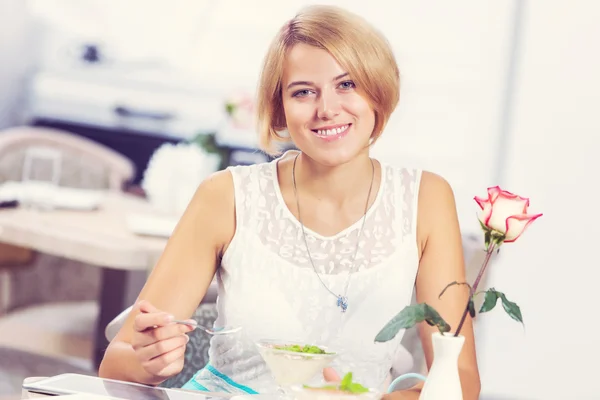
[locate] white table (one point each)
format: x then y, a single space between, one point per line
28 395
99 237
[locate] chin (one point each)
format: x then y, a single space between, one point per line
332 157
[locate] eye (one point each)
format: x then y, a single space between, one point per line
301 93
346 85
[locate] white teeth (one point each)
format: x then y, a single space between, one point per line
331 132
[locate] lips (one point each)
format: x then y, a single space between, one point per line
332 132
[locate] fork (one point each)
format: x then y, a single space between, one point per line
210 331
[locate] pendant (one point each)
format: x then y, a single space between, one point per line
342 302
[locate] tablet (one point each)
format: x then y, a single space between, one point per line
66 384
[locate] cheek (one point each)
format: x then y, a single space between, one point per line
361 108
298 114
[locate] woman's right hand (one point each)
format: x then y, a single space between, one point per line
158 343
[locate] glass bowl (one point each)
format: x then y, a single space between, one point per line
292 367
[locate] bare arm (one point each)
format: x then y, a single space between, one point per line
178 282
442 262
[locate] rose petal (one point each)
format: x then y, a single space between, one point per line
520 203
514 197
493 192
516 225
482 201
486 213
505 207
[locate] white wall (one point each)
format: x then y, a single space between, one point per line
18 57
553 271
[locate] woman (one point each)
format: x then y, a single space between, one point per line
324 244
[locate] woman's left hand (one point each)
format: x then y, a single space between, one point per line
331 375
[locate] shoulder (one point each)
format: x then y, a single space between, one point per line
427 185
220 186
215 186
406 174
212 208
241 172
436 206
434 189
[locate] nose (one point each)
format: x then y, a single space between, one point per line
329 105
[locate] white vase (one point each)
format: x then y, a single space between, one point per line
443 379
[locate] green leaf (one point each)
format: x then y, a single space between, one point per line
405 319
346 381
498 238
491 297
434 318
471 308
487 234
356 388
512 309
409 317
347 385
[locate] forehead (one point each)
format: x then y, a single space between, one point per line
305 62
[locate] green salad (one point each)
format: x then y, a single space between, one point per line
346 385
302 349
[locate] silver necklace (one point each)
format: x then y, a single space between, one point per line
341 300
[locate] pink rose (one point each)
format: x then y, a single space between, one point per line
505 213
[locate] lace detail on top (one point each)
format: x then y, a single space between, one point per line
281 232
267 285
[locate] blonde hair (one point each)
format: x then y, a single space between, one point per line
360 49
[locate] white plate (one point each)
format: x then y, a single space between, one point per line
46 194
77 199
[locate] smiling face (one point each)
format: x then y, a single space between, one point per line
326 116
326 69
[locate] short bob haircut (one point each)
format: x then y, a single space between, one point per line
360 49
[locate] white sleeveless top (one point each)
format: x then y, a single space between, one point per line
267 285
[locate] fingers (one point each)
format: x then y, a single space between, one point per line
144 321
159 344
331 375
146 307
158 364
160 348
151 336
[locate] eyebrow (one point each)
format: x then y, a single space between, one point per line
308 83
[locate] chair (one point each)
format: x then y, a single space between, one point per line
60 293
86 164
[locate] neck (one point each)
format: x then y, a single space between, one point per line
337 184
